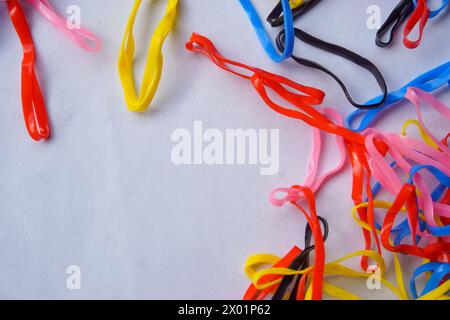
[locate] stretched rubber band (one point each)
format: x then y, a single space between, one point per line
342 52
264 37
299 7
81 36
400 13
154 65
428 81
32 100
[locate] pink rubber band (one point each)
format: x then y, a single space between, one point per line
311 181
82 37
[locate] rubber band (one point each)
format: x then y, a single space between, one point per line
419 17
368 160
428 81
400 13
436 12
439 272
299 263
33 103
342 52
299 7
154 64
81 36
264 37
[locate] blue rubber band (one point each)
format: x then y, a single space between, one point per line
429 81
440 271
444 182
264 37
434 13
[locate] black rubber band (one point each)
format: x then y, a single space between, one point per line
276 18
342 52
300 262
400 13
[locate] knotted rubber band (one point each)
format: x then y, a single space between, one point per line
264 37
154 64
400 13
81 36
344 53
32 100
276 17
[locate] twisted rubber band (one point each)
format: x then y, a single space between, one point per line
32 100
264 37
154 64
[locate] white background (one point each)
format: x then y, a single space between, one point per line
103 194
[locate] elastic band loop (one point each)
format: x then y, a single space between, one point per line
428 81
344 53
419 16
81 36
264 37
154 64
400 13
32 100
436 12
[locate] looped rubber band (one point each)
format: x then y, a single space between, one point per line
81 36
428 81
400 13
419 17
154 64
32 100
342 52
264 37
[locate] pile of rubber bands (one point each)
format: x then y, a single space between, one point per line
415 173
413 220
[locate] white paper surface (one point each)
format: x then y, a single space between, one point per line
103 193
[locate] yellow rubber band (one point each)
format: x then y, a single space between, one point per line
426 138
154 64
296 3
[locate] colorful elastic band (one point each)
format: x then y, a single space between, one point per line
400 13
32 100
81 36
264 37
342 52
154 64
419 18
276 17
428 81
